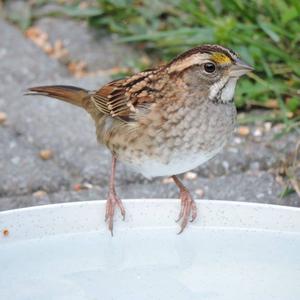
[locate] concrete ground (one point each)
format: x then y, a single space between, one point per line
48 149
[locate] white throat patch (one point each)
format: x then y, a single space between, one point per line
223 90
228 90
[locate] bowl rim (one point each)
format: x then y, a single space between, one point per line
86 216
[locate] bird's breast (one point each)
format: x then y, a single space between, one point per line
185 140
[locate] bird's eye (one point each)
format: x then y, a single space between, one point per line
209 67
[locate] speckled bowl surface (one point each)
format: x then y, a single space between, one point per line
232 251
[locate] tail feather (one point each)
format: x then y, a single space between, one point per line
70 94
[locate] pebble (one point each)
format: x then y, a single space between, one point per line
237 140
5 232
267 126
77 187
257 132
46 154
199 192
243 130
167 180
225 165
190 176
3 117
40 194
87 185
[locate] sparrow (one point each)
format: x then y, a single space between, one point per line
163 121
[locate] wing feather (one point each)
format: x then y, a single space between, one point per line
122 98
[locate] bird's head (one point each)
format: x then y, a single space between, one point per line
212 68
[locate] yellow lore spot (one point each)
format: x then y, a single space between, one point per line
220 58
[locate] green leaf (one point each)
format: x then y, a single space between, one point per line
287 191
267 28
293 104
289 14
76 11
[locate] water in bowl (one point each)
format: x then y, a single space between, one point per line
208 264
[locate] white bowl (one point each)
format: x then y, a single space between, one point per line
235 251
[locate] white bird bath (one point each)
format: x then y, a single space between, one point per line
234 251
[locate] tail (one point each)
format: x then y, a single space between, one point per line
70 94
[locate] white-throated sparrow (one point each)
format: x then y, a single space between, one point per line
164 121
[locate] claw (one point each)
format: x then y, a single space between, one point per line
188 206
181 213
113 200
111 204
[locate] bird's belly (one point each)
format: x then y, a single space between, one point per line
178 164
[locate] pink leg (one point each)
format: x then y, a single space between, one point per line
188 205
113 199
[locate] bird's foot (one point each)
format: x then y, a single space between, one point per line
188 209
111 203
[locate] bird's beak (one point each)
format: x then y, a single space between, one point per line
240 68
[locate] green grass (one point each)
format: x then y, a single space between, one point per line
265 33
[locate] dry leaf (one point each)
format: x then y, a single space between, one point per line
41 39
37 36
59 51
78 69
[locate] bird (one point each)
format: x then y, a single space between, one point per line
163 121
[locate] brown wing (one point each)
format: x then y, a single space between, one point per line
123 98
